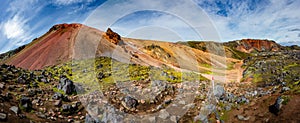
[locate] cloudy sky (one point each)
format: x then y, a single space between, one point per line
168 20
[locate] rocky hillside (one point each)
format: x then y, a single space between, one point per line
50 49
254 45
75 73
67 42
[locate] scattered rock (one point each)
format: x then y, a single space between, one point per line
32 92
66 85
3 116
227 107
219 91
36 101
8 96
2 86
164 114
67 109
21 80
26 103
241 117
82 117
101 75
41 115
242 99
99 66
275 108
57 103
284 89
57 96
11 87
129 102
15 109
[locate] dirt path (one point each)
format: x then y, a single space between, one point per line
258 111
233 75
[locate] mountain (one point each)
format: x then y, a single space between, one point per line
81 74
67 42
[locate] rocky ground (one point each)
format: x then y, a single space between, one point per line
35 96
269 93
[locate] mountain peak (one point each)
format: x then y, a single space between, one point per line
64 26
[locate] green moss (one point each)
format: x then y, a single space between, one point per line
58 90
225 116
257 78
286 68
86 72
286 99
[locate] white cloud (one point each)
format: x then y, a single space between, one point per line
266 20
269 19
183 17
13 28
16 31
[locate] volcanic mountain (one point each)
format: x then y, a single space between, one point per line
66 42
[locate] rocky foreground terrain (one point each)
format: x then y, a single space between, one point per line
131 80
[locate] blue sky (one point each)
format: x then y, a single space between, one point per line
218 20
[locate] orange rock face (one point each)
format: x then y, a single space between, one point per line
248 45
113 36
52 48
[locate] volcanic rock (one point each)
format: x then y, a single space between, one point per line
3 116
275 108
66 85
115 37
15 109
26 103
129 102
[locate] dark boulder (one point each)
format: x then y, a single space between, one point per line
35 85
67 109
22 80
26 103
242 99
101 75
32 92
57 96
66 85
8 96
99 66
275 108
129 102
